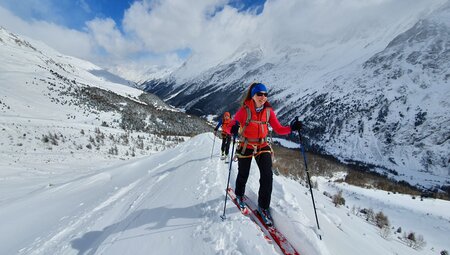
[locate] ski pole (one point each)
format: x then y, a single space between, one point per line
214 140
302 147
228 181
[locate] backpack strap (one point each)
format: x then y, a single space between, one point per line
247 121
245 140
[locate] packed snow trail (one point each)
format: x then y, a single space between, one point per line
171 203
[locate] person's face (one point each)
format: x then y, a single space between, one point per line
260 98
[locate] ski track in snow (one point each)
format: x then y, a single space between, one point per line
82 220
171 203
70 226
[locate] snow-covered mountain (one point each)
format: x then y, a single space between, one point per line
170 203
49 101
376 95
139 77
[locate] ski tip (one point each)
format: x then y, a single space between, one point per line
245 211
267 239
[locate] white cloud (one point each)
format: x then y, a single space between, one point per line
169 25
67 41
294 22
107 36
153 30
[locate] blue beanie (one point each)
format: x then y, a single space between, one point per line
259 87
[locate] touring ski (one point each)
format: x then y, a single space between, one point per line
271 233
247 212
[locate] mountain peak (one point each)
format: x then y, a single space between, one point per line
373 100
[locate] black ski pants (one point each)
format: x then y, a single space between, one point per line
264 162
226 139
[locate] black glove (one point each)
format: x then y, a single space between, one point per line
296 125
215 130
235 129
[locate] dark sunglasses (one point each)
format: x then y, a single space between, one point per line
260 94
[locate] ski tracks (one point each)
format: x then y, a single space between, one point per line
59 240
128 205
226 235
91 216
135 209
209 193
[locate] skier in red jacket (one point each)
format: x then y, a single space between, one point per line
226 138
251 124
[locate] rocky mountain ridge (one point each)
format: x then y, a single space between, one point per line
386 106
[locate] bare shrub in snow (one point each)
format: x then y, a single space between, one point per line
369 214
125 139
409 238
338 199
50 138
385 231
420 243
45 139
381 220
413 241
113 150
54 139
99 136
140 143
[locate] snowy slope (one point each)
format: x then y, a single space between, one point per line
375 93
170 203
54 103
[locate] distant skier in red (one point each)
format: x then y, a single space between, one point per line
251 124
226 138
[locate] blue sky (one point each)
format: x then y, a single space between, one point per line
75 13
111 31
69 13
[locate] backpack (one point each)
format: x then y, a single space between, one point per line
244 140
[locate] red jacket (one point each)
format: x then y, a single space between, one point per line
225 121
256 130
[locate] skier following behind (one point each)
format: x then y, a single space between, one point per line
226 138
